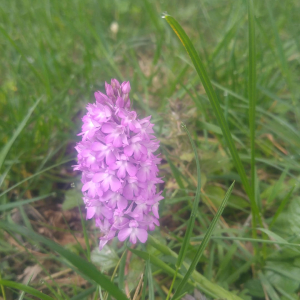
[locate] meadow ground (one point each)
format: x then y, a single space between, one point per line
55 54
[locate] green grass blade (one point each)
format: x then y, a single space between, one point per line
277 186
122 271
203 244
150 281
252 88
282 206
227 38
23 293
84 267
145 283
268 286
283 62
21 126
284 293
26 289
189 230
282 242
12 205
85 293
273 235
36 73
154 260
211 94
85 234
252 106
34 175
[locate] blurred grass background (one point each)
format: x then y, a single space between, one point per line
61 52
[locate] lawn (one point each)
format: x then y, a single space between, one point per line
226 110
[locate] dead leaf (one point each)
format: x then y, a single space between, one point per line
30 273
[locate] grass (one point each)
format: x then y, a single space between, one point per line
55 54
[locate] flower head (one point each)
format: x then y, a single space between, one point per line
119 169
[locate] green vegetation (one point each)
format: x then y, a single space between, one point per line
229 71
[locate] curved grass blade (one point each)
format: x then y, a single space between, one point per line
23 293
191 222
85 293
212 96
34 175
21 126
203 244
189 230
25 288
229 238
30 66
268 286
282 206
12 205
84 267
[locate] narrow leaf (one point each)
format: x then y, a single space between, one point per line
203 244
252 89
191 222
34 175
21 126
150 281
268 287
25 288
281 206
12 205
211 94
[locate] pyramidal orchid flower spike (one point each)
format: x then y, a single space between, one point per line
119 167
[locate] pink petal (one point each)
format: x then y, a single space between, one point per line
125 86
124 139
121 172
96 146
110 158
122 203
141 175
128 191
86 186
99 191
105 184
155 210
109 90
108 127
136 190
115 184
114 166
124 234
120 102
102 244
131 169
143 149
141 234
99 177
90 212
107 111
128 150
133 237
118 141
